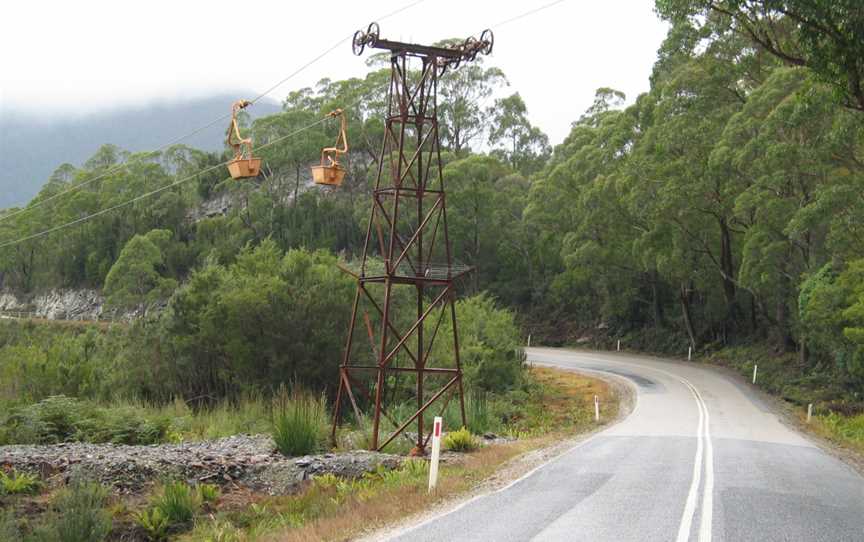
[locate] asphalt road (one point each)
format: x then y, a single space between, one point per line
699 458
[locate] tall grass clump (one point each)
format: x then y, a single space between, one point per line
9 531
299 421
178 502
460 441
78 514
478 411
172 508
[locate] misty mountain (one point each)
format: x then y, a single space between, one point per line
32 147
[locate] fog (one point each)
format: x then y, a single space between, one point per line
75 58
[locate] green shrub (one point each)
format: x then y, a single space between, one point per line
460 441
154 522
299 421
208 493
415 468
178 502
18 483
63 419
490 344
78 515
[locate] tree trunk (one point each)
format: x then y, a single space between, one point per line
656 306
782 315
754 322
727 265
803 353
684 296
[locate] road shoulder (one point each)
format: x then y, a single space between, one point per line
519 467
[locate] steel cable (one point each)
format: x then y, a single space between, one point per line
112 170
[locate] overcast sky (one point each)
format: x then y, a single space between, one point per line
63 57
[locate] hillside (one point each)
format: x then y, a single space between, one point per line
33 146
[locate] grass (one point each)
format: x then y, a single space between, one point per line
173 507
9 531
178 502
209 493
299 422
78 514
845 430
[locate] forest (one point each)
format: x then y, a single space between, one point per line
716 210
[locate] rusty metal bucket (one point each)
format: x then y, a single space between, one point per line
244 164
240 168
328 175
330 172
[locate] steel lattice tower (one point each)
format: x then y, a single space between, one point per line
407 253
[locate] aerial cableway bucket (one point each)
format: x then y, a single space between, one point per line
244 164
331 172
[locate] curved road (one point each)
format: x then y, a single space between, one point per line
699 458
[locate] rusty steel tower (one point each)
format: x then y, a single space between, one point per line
405 277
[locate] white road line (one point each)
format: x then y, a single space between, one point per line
690 504
703 444
708 491
703 434
404 530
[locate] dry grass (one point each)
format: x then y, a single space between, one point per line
567 399
360 516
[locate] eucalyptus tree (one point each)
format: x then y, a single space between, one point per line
524 146
826 36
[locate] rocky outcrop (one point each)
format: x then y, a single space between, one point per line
218 205
84 304
244 460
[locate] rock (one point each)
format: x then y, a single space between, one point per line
58 304
244 460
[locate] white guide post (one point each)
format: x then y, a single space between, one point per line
619 345
596 409
809 412
529 340
436 453
689 353
755 369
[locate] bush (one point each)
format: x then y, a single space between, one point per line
78 515
37 361
209 493
18 483
299 421
154 523
460 441
491 344
218 336
178 502
62 419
